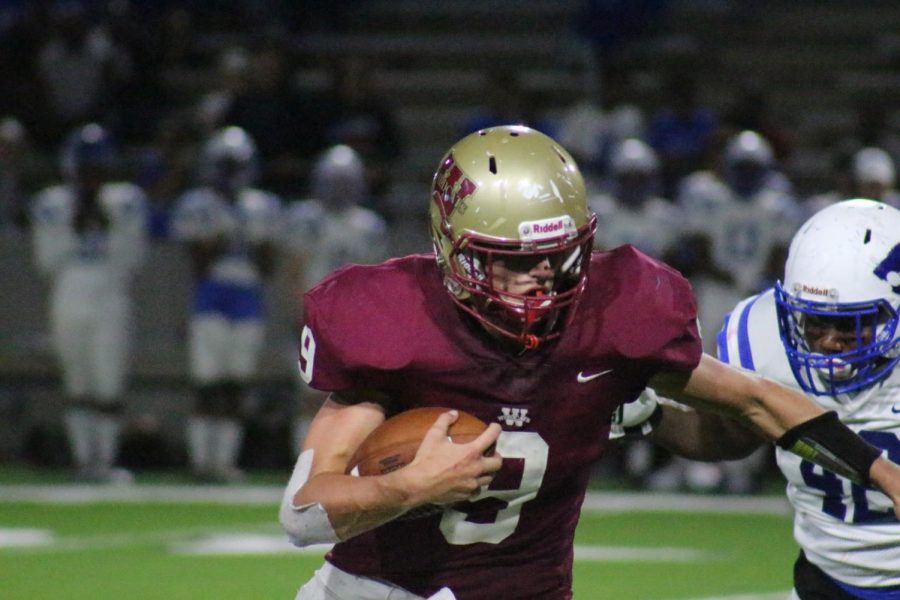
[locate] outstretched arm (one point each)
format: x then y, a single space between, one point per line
768 407
785 416
682 430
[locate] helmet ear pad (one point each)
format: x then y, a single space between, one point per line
511 191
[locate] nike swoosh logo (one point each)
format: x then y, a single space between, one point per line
895 410
582 378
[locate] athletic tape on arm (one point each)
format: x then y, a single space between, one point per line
306 524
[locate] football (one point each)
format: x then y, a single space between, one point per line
394 443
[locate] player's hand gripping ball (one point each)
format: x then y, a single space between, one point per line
394 443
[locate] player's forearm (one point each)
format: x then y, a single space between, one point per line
355 505
702 435
781 414
768 406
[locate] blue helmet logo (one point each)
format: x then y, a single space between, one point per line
889 269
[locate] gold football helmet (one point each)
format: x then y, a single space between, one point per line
511 194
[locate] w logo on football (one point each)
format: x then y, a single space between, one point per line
889 269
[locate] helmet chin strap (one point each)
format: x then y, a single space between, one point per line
529 340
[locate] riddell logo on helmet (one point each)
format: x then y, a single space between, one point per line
451 186
547 228
831 294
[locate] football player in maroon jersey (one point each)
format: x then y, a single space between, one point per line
514 320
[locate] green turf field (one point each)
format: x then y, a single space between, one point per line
173 542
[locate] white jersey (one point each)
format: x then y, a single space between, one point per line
850 532
743 231
328 240
203 214
651 229
99 260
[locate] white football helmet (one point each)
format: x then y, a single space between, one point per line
635 169
873 165
229 159
748 160
842 280
511 194
338 178
633 155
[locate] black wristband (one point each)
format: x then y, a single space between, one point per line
826 441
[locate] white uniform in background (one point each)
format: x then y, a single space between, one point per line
90 308
329 231
743 231
228 320
329 239
631 212
747 215
652 228
228 336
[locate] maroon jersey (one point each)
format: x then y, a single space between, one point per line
392 327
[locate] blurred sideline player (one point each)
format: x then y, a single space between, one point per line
749 213
231 231
329 230
632 212
514 319
736 221
831 329
89 239
872 175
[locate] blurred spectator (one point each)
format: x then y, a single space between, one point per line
232 75
89 239
79 68
176 49
597 122
874 176
866 173
329 230
18 172
752 111
874 128
736 227
286 124
744 213
230 230
840 174
365 121
632 211
682 132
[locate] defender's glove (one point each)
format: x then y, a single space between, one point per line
636 419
